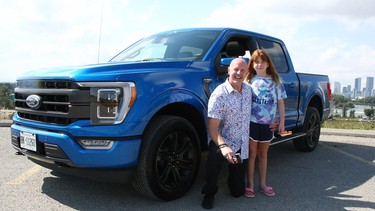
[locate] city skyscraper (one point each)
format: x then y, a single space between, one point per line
337 89
369 86
356 91
357 87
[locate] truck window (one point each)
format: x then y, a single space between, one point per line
189 51
236 46
169 46
276 53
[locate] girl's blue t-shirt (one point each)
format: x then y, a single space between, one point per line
265 95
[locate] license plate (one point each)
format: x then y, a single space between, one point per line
28 141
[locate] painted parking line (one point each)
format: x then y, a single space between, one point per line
24 176
372 163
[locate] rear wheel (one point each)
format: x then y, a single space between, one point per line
169 159
311 127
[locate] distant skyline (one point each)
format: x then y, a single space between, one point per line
362 82
329 37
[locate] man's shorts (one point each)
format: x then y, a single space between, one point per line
260 132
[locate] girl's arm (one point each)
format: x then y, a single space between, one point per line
281 107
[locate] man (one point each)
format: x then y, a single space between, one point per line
229 110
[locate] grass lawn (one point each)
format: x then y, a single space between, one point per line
353 124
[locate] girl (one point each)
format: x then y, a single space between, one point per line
268 94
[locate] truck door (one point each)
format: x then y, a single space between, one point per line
284 67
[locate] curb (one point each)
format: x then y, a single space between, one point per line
6 123
345 132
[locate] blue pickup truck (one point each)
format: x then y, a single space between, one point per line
143 115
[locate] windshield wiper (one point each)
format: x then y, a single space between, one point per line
151 59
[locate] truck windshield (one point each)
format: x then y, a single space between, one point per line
184 45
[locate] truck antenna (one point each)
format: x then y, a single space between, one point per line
100 31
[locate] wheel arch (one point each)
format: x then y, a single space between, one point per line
316 102
190 113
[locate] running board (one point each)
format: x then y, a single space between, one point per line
280 139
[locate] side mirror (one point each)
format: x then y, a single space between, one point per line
222 69
226 61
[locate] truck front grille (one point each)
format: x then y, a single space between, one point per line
61 102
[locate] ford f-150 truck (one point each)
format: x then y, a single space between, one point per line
145 111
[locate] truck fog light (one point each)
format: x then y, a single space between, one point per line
95 144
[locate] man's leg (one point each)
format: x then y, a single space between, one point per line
213 167
236 179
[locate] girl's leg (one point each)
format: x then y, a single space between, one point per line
262 162
251 165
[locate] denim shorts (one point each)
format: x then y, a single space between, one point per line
260 132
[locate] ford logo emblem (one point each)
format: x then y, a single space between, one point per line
34 101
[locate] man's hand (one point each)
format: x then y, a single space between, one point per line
228 154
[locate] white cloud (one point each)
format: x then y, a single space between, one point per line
40 34
323 36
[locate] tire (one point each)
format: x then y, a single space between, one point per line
311 127
169 159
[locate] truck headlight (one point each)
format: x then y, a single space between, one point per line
110 101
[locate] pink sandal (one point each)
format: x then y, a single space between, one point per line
249 192
268 191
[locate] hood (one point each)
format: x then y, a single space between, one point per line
103 71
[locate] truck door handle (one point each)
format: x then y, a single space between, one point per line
206 82
293 85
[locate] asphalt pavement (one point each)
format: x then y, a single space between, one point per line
338 175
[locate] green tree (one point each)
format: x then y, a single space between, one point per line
370 100
352 113
350 105
369 112
365 101
339 99
6 91
342 102
344 110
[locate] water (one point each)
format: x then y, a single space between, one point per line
359 110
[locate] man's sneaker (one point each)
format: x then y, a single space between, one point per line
208 201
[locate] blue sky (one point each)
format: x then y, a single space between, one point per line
334 37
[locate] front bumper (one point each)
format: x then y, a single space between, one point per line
60 149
